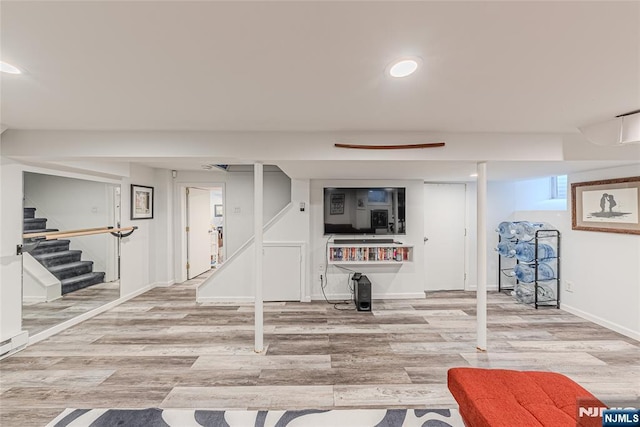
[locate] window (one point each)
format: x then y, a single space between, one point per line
559 187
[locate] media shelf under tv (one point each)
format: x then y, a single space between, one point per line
368 253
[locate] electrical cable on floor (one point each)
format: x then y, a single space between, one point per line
335 303
323 283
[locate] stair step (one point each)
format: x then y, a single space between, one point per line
52 259
48 246
82 281
29 212
72 269
34 224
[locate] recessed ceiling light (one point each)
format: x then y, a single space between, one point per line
404 67
474 175
8 68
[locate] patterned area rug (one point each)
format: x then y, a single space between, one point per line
155 417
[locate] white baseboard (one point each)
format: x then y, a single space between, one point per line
14 344
38 299
136 293
602 322
407 295
33 300
224 299
163 284
344 296
489 288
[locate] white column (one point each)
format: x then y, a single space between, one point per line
481 290
257 232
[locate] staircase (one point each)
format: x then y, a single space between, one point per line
55 255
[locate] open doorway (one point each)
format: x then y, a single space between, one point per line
204 231
217 224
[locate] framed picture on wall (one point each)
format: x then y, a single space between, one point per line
217 210
611 205
336 205
141 202
379 218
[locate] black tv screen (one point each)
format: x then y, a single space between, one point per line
364 211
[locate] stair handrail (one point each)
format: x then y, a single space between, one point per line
51 235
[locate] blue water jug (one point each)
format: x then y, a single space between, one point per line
526 251
524 293
506 249
526 230
507 229
527 274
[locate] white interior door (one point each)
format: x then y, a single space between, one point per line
444 228
281 273
199 229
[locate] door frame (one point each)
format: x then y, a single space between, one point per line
465 283
180 223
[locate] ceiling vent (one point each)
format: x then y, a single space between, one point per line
623 129
211 166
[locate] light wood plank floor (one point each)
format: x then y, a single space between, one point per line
162 349
38 317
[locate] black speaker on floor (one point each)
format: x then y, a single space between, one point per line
362 294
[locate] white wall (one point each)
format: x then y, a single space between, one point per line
604 267
534 194
234 280
501 204
72 204
388 281
38 284
161 252
238 204
138 259
500 207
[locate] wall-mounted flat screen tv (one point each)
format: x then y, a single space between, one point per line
364 211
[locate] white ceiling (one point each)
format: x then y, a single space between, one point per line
519 67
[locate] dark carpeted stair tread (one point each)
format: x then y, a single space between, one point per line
51 259
82 281
55 255
34 224
72 269
48 246
32 220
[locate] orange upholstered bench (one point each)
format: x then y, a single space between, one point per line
506 398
